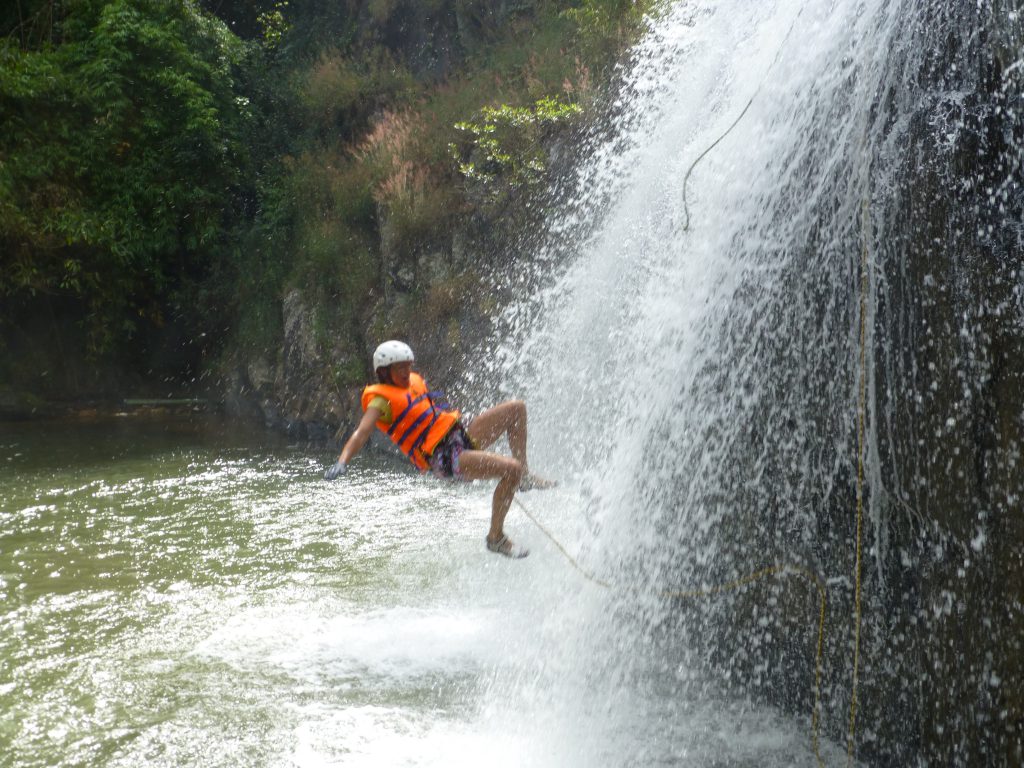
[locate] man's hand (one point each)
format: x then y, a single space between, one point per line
336 471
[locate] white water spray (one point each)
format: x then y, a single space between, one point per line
697 364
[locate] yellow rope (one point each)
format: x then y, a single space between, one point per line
781 570
572 560
787 568
773 570
861 417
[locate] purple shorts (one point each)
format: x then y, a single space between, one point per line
444 461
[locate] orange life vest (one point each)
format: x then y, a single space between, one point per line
421 419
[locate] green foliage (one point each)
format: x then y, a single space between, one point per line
372 163
421 211
339 93
37 24
154 166
332 222
505 144
247 18
273 24
120 158
413 194
606 27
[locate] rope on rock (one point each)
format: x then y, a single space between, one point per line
790 569
862 388
773 570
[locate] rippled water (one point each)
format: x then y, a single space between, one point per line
179 594
181 599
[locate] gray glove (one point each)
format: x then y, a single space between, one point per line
336 471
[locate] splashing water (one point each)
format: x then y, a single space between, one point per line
747 356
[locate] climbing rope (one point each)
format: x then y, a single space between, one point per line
785 568
773 570
686 178
861 431
702 155
551 537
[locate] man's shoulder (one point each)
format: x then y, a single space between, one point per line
383 406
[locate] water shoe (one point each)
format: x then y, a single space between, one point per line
504 546
532 482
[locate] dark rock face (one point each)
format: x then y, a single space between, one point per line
942 541
296 392
947 420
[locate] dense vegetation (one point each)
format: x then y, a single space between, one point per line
169 169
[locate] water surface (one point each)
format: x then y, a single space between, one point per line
177 592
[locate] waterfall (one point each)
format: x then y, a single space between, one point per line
802 218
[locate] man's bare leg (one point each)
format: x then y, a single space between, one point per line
482 465
509 419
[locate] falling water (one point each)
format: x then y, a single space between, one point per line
783 330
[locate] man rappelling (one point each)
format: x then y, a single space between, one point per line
436 438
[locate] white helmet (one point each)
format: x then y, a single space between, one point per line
392 352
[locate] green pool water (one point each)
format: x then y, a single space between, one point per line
179 592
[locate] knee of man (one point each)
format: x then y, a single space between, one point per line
516 470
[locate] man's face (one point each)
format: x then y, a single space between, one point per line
400 374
